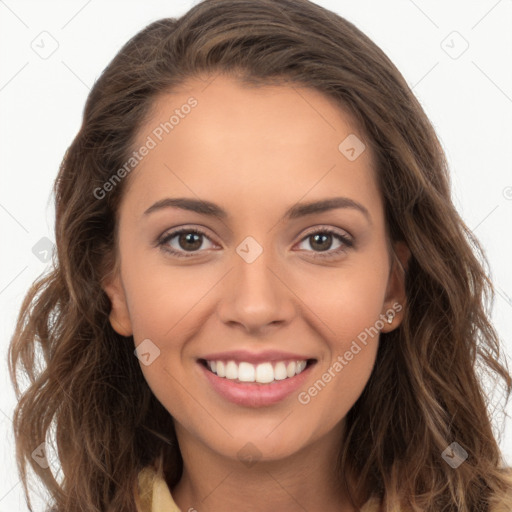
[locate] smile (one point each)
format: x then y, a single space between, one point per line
263 373
255 385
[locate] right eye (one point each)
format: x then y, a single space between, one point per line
186 238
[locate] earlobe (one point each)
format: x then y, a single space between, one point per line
396 297
119 315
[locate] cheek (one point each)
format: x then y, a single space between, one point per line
349 320
348 304
336 388
347 300
162 300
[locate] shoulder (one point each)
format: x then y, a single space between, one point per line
372 505
153 493
503 502
155 496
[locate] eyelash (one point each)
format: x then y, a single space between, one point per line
346 241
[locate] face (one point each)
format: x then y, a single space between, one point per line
253 283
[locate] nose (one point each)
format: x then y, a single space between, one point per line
255 296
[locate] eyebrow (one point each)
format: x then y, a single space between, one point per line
298 210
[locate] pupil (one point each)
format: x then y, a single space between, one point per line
324 238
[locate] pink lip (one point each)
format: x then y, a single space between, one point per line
253 358
252 394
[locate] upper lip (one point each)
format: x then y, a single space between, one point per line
254 358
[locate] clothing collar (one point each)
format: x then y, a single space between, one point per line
155 496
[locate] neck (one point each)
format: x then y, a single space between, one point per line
306 480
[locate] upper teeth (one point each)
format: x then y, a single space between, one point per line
263 373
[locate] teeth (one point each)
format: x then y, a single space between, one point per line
300 366
231 370
221 371
246 372
280 371
263 373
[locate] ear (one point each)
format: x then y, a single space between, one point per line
119 315
395 300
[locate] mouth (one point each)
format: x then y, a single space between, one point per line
262 373
255 385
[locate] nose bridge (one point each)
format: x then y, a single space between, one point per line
255 296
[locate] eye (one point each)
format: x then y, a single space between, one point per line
187 240
322 239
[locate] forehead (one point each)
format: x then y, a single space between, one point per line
224 139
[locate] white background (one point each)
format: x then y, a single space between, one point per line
468 99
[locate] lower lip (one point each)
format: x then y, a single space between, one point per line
252 394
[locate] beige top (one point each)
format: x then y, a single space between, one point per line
155 495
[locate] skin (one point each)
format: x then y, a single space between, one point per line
255 152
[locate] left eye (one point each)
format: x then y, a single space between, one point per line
323 237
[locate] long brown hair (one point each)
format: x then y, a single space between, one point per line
86 387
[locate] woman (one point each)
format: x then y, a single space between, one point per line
315 346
